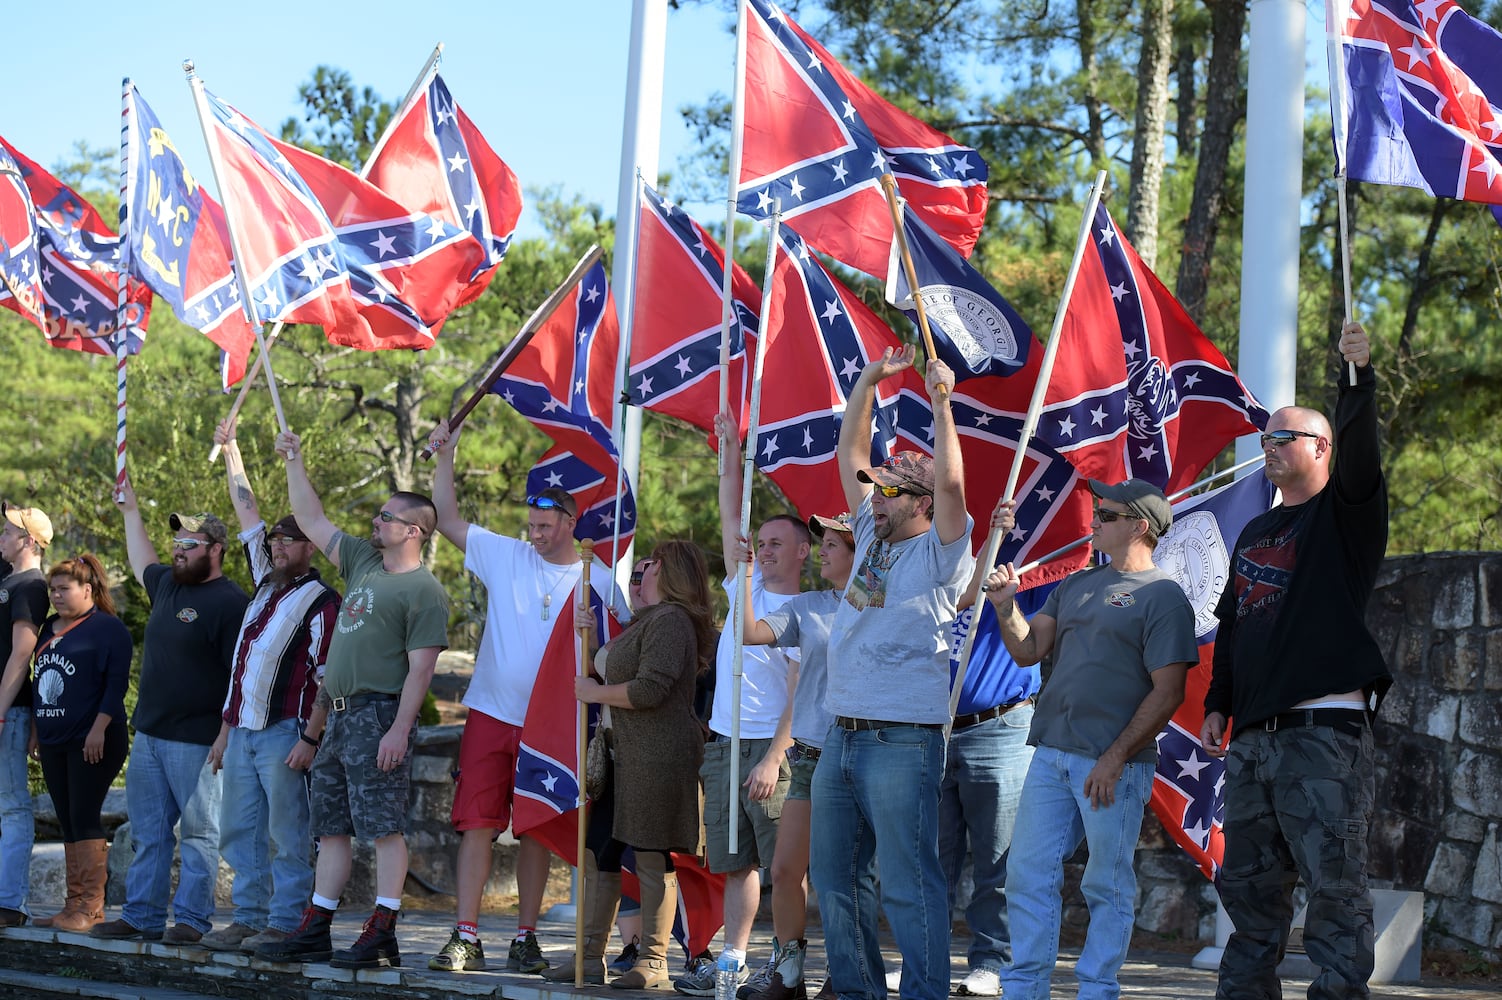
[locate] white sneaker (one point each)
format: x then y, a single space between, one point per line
980 983
894 982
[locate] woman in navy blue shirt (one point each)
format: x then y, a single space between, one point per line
81 670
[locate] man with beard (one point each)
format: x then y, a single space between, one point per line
876 788
185 667
271 726
393 624
24 535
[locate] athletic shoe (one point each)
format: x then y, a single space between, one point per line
626 959
699 981
980 983
526 955
459 955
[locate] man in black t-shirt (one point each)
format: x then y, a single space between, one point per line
185 668
1298 677
24 534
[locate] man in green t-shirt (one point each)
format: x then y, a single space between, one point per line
391 627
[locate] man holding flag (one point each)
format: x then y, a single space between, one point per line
391 627
527 584
1300 677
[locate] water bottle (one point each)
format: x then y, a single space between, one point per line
726 976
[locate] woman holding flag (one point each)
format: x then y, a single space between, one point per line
649 672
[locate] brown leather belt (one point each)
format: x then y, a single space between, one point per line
966 721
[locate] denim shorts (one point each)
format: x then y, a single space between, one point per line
349 795
804 759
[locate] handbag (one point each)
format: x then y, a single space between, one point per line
597 757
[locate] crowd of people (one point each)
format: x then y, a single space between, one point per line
267 722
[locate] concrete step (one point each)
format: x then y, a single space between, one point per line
41 986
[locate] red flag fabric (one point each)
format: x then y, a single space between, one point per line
1139 391
563 381
819 139
20 258
675 329
323 246
433 159
80 259
1188 789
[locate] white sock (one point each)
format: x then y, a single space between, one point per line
388 902
737 954
325 902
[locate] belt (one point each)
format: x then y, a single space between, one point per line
854 725
361 700
1345 720
966 721
715 737
803 751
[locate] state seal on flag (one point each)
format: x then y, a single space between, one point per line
1194 554
980 331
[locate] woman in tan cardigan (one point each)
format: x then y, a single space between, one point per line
649 673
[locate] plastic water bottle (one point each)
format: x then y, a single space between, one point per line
726 977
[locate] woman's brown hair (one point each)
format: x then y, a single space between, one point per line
683 579
86 569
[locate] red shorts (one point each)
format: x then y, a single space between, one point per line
487 773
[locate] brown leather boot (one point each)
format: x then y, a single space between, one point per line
659 905
92 859
602 897
70 903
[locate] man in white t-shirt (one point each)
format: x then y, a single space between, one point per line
527 584
782 547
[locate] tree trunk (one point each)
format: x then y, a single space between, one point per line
1150 128
1422 281
1187 104
1095 139
1225 107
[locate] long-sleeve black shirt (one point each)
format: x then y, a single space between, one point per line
1293 614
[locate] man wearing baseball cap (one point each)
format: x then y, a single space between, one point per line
270 725
185 666
23 607
1122 639
876 788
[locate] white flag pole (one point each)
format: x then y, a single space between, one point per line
122 277
737 127
1336 12
1030 423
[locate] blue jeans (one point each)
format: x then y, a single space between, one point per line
168 780
263 827
876 802
17 822
1052 818
977 808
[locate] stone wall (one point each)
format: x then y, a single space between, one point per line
1439 763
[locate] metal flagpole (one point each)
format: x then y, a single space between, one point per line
1030 423
1336 12
742 591
623 371
737 126
122 280
581 741
428 69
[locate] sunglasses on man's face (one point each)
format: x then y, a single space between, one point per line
387 517
188 544
893 491
1105 515
1279 438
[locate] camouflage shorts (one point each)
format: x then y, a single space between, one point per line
349 795
1298 805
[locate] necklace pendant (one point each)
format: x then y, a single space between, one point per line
547 602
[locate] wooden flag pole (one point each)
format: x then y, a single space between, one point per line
528 330
889 185
581 728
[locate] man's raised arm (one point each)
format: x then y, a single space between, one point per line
854 450
949 467
445 497
241 496
730 491
138 548
306 506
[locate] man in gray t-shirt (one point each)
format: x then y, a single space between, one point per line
876 788
1122 639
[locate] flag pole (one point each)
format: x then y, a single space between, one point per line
508 355
1030 423
428 69
581 732
743 581
204 114
737 126
1335 15
623 368
122 282
889 185
1178 495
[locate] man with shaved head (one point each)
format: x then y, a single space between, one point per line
1296 682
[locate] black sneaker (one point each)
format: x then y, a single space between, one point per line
626 959
526 955
376 945
459 955
309 943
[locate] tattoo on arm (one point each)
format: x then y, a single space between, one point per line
323 699
332 548
243 492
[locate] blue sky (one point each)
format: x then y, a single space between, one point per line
545 82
